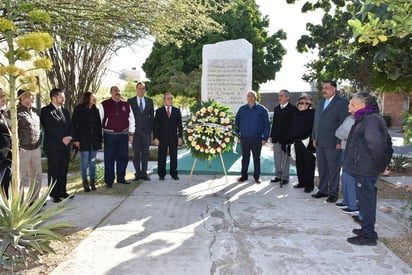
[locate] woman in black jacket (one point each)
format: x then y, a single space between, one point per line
87 137
300 134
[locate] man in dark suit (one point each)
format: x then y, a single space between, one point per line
140 130
330 112
167 133
57 140
282 119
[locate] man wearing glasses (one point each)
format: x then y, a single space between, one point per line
167 133
282 119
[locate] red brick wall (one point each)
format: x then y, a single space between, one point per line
393 106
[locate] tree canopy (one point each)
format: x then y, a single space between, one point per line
372 62
176 68
88 32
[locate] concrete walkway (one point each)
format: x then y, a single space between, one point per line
206 225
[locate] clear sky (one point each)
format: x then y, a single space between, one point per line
281 16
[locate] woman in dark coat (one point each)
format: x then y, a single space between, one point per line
87 137
300 134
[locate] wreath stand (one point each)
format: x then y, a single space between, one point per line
223 165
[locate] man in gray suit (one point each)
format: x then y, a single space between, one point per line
330 112
140 130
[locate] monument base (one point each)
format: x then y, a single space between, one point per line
233 164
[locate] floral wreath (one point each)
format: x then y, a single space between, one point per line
209 131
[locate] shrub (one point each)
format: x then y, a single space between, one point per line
23 232
399 162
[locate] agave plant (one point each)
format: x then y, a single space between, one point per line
23 231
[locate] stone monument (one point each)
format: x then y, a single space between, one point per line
227 72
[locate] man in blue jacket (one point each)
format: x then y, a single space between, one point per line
252 122
368 152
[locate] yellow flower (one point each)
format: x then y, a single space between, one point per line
212 151
226 120
219 149
201 149
227 139
209 130
210 108
199 129
194 143
218 131
197 147
223 145
207 151
222 114
190 138
203 110
213 119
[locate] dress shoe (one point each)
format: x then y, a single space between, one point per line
56 199
284 182
175 177
258 180
161 178
275 180
242 179
331 199
124 182
357 231
308 190
297 186
319 195
109 185
65 196
146 178
359 240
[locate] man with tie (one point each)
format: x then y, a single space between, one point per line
57 140
167 133
114 113
140 130
282 119
330 112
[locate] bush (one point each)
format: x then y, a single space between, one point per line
407 128
399 162
23 232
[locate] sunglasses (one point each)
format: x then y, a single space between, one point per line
301 103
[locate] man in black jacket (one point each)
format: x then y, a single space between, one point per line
5 145
57 140
167 132
365 157
282 119
29 132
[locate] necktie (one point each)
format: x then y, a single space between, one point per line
168 112
141 105
61 114
326 104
